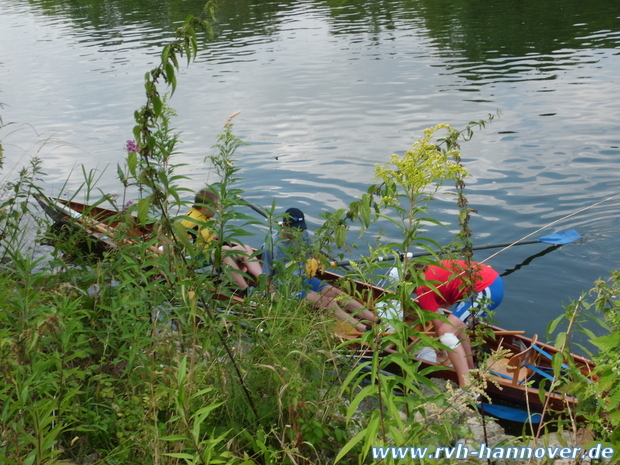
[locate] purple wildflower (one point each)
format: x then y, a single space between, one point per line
131 146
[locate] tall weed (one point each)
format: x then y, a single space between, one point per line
598 392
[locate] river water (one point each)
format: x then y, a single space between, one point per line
328 89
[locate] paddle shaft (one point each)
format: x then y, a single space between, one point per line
505 244
424 254
256 208
480 247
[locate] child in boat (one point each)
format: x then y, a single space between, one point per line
449 279
289 248
237 256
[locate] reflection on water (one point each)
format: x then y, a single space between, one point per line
326 90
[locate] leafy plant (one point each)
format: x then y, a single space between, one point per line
598 392
14 206
405 187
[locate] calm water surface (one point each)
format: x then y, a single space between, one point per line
327 89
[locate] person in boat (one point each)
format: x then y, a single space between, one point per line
290 248
450 278
240 258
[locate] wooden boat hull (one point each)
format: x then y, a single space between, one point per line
514 379
100 224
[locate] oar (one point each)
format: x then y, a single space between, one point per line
561 238
256 208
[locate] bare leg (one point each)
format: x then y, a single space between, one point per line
467 348
352 305
458 359
237 258
235 274
458 355
460 327
320 301
251 266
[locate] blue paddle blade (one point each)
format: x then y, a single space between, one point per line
565 237
509 413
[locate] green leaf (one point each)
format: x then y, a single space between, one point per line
365 214
201 415
132 162
349 445
371 431
157 105
194 45
143 210
179 455
341 235
30 458
203 412
151 143
556 362
174 437
120 173
367 391
610 342
553 325
203 392
165 53
170 74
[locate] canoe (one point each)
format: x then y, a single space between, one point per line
514 379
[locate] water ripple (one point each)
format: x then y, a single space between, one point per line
326 92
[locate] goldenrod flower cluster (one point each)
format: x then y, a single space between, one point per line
426 164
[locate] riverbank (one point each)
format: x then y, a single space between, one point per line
101 381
